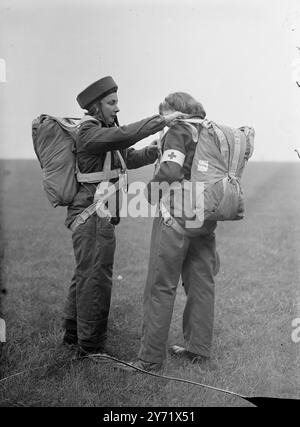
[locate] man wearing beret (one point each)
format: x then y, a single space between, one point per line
102 147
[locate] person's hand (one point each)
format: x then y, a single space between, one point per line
153 149
171 118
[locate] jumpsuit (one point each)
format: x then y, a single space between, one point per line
88 302
173 254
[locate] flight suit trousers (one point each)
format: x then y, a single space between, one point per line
194 258
88 302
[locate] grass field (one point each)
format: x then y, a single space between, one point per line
257 297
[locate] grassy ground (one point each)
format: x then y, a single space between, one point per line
257 291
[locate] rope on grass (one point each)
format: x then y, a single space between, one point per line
262 401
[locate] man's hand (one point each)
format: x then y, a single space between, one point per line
171 118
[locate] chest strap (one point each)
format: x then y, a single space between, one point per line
98 176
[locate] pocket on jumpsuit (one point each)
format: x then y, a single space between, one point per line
107 241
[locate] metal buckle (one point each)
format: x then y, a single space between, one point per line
168 221
123 176
231 179
80 220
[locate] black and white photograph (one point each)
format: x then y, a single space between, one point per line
149 206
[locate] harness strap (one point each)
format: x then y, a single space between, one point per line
86 119
170 221
107 162
194 120
192 129
159 145
107 171
121 160
157 163
98 176
65 122
223 141
83 217
98 204
107 174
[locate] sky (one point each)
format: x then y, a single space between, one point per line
239 58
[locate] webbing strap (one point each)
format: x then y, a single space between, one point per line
223 141
225 182
161 135
106 175
121 160
193 130
236 153
157 164
65 122
98 176
107 162
86 119
98 204
170 221
250 133
195 121
81 218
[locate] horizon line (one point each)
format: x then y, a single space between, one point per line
251 161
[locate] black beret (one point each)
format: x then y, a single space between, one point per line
97 91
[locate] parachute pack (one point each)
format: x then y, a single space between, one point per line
54 142
219 161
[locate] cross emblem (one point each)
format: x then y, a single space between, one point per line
172 155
